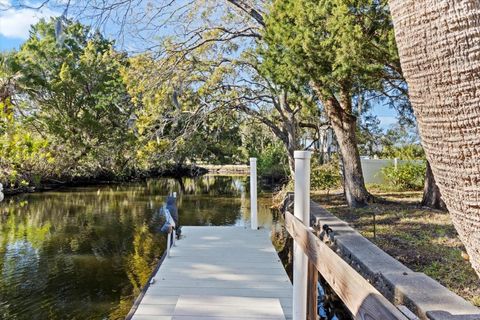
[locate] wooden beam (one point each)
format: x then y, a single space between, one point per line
312 292
359 296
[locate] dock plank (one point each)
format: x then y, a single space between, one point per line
219 273
228 307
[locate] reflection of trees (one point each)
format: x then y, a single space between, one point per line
146 248
215 185
66 255
86 254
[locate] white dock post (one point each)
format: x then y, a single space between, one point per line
174 233
301 211
253 193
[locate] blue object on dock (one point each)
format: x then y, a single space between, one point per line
172 208
169 222
166 217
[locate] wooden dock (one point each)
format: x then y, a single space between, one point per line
219 273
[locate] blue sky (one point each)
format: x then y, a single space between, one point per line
7 44
386 115
15 24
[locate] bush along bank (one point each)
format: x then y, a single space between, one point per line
22 185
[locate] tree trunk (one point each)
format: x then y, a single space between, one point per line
438 44
432 197
290 127
344 126
291 160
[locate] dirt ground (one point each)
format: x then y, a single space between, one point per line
423 239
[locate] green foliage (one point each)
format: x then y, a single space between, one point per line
402 142
336 44
407 152
369 135
258 141
170 122
340 50
76 95
24 155
80 109
216 141
407 176
272 161
325 177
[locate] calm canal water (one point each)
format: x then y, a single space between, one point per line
85 253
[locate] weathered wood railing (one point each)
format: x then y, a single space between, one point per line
311 254
358 295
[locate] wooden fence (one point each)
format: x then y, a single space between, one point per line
358 295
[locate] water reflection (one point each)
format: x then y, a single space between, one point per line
85 253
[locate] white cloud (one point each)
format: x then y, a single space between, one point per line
4 4
15 23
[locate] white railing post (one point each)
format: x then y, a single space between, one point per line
301 210
253 193
174 233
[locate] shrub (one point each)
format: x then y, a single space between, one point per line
407 176
325 177
410 152
272 161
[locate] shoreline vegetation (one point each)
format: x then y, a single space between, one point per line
175 171
226 168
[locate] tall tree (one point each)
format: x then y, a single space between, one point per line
287 113
340 49
223 33
173 122
8 78
438 45
71 81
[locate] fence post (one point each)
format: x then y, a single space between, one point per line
301 210
253 193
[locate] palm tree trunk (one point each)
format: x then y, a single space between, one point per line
438 43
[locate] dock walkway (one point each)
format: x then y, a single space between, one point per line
219 273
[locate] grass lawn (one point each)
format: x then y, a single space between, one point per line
422 239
